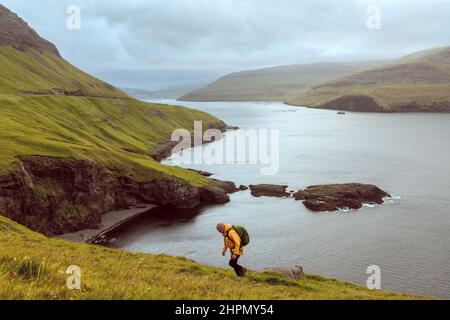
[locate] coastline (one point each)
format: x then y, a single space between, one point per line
114 219
110 221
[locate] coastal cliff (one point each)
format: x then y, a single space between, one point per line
60 195
74 147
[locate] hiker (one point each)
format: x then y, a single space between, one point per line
235 239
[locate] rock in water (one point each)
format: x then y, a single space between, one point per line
269 190
340 196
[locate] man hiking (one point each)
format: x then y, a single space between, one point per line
235 239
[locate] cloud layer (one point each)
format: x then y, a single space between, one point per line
233 34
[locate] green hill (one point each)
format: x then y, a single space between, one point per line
74 147
34 267
417 82
33 72
273 84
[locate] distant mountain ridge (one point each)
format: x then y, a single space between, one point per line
416 82
278 83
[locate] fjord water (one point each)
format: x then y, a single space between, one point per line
407 155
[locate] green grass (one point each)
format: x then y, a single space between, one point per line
418 82
33 267
95 127
36 72
410 97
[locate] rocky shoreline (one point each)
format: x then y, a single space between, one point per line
110 221
56 196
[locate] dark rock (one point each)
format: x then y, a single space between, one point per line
227 186
60 195
339 196
16 33
243 188
300 195
213 196
295 273
269 190
163 151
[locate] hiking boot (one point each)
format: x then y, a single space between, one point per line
243 272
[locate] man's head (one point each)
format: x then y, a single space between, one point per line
220 227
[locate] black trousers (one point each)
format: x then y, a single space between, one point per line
237 268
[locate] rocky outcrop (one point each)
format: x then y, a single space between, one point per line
269 190
340 196
227 186
55 196
16 33
295 273
163 151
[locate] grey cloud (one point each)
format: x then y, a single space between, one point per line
229 35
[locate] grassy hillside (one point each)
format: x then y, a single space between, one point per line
273 84
418 82
95 129
33 267
97 124
36 72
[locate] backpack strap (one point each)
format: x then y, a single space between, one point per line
228 233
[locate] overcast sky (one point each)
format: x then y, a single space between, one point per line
204 38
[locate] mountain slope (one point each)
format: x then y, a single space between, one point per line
417 82
34 267
43 73
273 84
16 33
74 147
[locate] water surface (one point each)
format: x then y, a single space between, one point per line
407 155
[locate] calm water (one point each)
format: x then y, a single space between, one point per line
407 155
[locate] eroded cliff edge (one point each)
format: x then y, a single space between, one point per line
60 195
